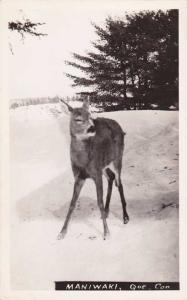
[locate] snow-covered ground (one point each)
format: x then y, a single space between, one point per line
146 249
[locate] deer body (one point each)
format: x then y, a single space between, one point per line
94 154
96 149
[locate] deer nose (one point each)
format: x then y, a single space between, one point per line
91 129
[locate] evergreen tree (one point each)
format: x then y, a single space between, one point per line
139 53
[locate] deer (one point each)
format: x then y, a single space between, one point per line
96 149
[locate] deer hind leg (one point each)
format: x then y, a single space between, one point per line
99 188
77 188
113 169
123 202
117 172
110 177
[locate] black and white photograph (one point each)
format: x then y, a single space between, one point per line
93 97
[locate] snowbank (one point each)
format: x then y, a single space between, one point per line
146 249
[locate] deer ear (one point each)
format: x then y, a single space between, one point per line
86 104
67 105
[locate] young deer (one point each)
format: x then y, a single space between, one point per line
96 149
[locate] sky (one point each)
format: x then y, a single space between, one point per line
37 67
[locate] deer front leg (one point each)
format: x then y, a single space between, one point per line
77 188
99 188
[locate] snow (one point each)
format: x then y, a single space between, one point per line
146 249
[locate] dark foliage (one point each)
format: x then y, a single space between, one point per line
135 62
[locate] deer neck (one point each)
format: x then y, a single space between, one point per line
81 151
80 143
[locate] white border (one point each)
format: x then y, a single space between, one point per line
6 292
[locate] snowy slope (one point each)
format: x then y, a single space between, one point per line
146 249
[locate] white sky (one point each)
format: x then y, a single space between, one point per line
37 67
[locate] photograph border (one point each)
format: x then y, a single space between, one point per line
5 290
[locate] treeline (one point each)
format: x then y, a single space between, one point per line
41 100
134 63
32 101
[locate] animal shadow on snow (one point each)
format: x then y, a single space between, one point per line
161 206
52 200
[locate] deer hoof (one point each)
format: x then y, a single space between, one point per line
61 235
106 235
126 219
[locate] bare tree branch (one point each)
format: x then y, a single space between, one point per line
26 27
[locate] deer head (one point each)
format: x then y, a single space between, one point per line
81 123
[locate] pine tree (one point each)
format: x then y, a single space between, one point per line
139 53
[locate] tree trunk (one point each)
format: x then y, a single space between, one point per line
133 88
123 67
125 85
139 92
